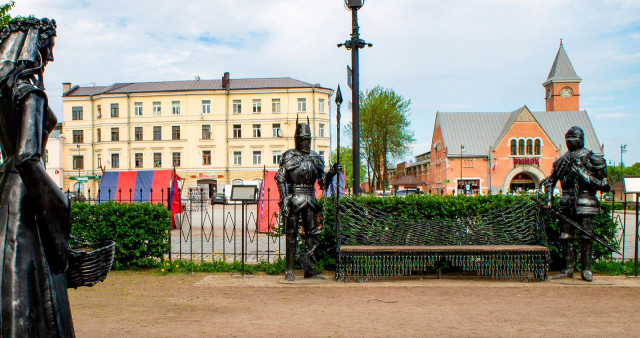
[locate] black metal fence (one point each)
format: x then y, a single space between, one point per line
213 228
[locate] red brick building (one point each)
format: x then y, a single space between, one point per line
474 153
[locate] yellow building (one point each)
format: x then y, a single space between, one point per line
214 132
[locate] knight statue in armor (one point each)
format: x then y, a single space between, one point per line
581 174
34 213
300 168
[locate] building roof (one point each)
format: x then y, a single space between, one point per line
165 86
407 180
479 131
562 69
55 133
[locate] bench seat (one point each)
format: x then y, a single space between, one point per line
522 262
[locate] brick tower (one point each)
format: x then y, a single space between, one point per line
562 85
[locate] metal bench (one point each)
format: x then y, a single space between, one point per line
504 243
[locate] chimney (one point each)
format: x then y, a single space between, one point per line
225 81
65 87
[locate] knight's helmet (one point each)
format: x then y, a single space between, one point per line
575 138
302 137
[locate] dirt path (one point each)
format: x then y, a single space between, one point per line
141 304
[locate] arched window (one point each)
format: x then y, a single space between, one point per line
237 181
536 148
529 147
514 147
521 147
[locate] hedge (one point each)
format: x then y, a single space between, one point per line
434 206
140 230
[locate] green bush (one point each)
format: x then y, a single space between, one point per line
140 230
434 206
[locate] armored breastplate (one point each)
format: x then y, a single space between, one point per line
304 172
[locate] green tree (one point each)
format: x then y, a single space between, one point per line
384 131
4 13
614 172
346 160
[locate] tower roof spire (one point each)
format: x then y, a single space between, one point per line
562 69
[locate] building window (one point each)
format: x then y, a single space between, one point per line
157 160
275 105
115 134
78 162
175 159
206 157
98 135
175 107
206 106
321 129
206 132
321 105
78 136
115 160
137 108
256 131
237 181
99 111
157 133
521 147
536 147
257 157
138 133
275 128
237 131
99 160
321 153
157 108
529 147
277 155
175 132
237 106
138 160
302 105
514 147
76 113
237 157
115 112
257 106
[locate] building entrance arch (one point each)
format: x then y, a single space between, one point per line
523 178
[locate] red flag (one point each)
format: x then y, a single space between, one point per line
175 207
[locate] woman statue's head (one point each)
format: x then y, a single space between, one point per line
29 41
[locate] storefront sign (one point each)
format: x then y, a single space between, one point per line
209 175
526 161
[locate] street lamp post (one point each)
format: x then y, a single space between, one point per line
355 44
461 184
78 166
623 149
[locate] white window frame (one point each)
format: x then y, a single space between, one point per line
321 129
257 157
157 108
275 105
302 105
257 106
237 106
175 107
137 108
257 130
276 156
237 157
274 129
321 105
206 106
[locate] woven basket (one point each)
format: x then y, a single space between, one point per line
89 263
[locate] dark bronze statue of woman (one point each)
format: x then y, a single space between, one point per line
34 213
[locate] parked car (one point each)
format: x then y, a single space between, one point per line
407 192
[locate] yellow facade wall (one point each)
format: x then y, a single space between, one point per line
191 145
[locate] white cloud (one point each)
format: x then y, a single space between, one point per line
489 55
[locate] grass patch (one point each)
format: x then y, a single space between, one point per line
187 266
614 268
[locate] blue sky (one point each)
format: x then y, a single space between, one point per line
459 55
